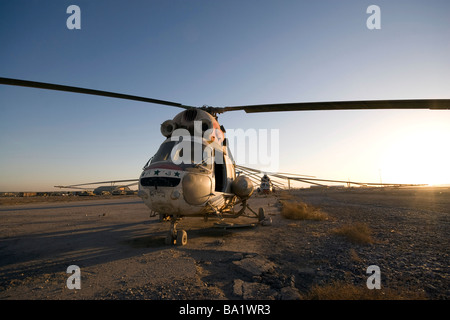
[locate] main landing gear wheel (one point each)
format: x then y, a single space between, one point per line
261 214
170 239
263 220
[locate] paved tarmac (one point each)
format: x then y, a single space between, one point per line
114 242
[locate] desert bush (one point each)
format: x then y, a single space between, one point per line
341 290
357 233
301 211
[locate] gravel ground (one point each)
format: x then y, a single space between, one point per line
411 233
122 255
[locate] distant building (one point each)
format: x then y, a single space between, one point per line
27 194
337 187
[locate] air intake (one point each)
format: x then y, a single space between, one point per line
190 114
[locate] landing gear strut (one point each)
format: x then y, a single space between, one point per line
176 237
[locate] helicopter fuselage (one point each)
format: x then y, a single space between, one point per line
193 172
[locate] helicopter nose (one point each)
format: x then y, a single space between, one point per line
161 176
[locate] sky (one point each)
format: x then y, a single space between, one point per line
223 53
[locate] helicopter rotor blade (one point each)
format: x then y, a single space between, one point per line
442 104
50 86
271 173
101 182
439 104
309 180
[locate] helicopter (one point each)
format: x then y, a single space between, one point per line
193 173
265 186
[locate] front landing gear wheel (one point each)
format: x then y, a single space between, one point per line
175 237
181 238
170 239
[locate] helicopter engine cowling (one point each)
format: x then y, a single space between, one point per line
204 127
197 122
168 127
242 186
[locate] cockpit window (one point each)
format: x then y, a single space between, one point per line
163 153
184 153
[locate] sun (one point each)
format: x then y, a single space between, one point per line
418 155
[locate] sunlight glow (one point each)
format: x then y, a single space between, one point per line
418 155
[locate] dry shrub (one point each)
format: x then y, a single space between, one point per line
354 255
301 211
357 233
340 290
286 195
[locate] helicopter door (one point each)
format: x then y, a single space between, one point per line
220 171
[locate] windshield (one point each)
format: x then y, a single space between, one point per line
184 153
163 153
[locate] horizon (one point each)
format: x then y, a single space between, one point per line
292 189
